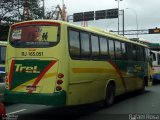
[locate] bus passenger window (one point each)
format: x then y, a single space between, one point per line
134 52
74 44
144 54
111 49
129 51
103 48
118 50
140 53
124 54
85 48
95 46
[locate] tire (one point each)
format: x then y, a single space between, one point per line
110 95
143 87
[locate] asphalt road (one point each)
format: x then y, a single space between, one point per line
142 105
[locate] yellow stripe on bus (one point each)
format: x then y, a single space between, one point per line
24 84
93 70
31 81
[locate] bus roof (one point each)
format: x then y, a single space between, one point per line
104 33
89 29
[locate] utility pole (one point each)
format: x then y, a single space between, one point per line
123 21
118 13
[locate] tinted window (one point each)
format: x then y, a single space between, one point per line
124 54
111 49
146 54
37 35
103 48
95 46
129 51
140 56
74 43
118 50
134 52
85 46
143 50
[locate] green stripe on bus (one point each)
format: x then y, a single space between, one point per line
56 99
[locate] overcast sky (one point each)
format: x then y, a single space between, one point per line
147 11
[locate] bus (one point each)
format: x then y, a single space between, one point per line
155 57
61 64
3 45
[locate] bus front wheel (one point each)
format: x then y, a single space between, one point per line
110 94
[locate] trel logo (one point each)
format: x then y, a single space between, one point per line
27 69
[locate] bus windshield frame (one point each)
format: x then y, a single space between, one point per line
40 30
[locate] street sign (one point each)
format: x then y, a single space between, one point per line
100 14
88 16
78 17
112 13
154 31
91 15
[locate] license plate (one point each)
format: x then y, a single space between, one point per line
31 88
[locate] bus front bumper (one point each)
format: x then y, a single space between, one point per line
56 99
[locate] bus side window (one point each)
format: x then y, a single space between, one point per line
134 52
118 50
95 46
85 45
124 54
142 53
74 44
111 49
138 54
129 51
103 48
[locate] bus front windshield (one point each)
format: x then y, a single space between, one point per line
34 36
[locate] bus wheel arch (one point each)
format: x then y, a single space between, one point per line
110 93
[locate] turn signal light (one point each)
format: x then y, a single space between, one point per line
60 75
58 88
59 82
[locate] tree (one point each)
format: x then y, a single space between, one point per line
13 10
6 7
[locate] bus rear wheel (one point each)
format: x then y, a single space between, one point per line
110 95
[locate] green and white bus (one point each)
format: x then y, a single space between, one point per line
58 63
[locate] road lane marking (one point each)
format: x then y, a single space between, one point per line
16 111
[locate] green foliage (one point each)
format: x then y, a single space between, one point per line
12 10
